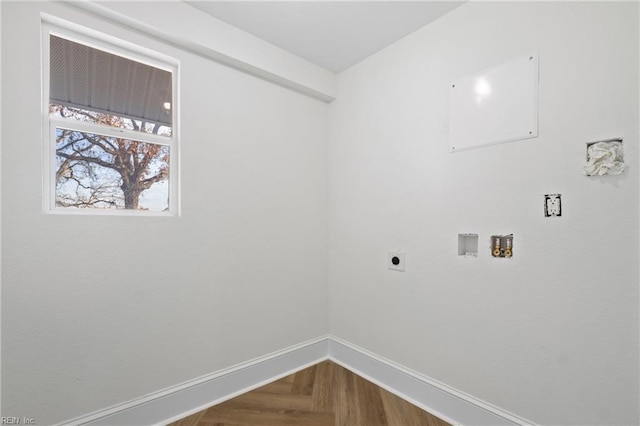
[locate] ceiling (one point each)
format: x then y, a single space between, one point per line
331 34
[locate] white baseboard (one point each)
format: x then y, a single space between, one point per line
179 401
437 398
195 395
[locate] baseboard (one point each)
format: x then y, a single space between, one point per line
195 395
437 398
174 403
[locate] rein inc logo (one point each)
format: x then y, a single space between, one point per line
17 421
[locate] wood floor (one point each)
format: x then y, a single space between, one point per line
325 394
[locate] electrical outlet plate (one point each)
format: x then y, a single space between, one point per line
396 260
552 205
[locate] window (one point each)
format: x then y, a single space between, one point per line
111 130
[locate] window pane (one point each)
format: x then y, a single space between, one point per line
96 171
90 84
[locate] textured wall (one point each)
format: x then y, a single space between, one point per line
552 334
100 310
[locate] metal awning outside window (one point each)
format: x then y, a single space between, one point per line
91 79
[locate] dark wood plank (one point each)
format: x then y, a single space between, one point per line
370 403
303 381
345 403
323 389
234 412
262 400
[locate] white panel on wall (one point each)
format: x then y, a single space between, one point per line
496 105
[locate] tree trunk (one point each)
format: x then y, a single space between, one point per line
131 196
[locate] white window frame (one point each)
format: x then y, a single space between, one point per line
58 27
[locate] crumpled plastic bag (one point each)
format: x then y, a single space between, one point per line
604 158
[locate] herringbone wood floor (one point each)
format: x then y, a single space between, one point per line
322 395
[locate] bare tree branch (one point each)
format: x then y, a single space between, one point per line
84 159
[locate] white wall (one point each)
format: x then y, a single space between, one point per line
101 310
552 334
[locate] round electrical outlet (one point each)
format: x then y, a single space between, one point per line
396 260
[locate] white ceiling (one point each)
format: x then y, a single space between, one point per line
332 34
